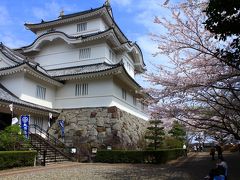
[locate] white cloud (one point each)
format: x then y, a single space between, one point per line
122 2
11 40
146 44
51 10
148 10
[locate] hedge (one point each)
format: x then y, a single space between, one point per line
149 156
10 159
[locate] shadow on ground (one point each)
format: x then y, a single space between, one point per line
195 167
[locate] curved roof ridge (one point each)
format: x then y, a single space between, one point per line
66 35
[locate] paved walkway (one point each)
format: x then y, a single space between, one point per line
194 167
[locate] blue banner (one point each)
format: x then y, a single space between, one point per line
61 124
25 119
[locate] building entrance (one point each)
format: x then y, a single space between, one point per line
5 120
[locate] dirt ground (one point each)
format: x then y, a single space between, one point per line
194 167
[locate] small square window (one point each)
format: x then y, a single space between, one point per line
81 27
81 89
85 53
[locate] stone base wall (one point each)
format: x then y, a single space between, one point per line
101 127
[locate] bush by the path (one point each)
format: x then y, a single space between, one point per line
10 159
120 156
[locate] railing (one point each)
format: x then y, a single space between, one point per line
54 143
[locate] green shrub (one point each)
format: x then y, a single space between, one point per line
10 159
172 142
12 140
149 156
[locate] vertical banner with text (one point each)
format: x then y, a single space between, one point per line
25 121
61 124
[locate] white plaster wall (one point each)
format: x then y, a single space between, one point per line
127 105
103 25
99 95
25 88
29 92
107 55
13 83
58 54
128 64
93 26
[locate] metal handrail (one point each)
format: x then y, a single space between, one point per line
46 135
58 145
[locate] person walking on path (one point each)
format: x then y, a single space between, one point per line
212 152
185 150
195 148
223 163
219 151
219 172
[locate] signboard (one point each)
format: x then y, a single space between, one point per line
25 121
61 124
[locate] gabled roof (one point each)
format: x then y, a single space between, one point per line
105 13
35 71
8 97
102 11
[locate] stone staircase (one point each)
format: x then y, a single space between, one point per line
50 150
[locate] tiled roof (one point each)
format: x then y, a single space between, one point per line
12 55
93 68
80 13
7 96
66 16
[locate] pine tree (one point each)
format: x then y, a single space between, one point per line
155 134
178 131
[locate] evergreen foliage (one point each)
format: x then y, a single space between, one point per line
178 131
11 159
153 157
155 134
11 139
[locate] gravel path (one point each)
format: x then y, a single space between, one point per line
194 167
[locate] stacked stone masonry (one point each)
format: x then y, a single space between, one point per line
101 127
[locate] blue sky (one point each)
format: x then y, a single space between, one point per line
134 17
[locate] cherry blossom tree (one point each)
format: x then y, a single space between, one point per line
197 88
223 19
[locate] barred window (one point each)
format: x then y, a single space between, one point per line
124 94
85 53
41 92
81 89
81 27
